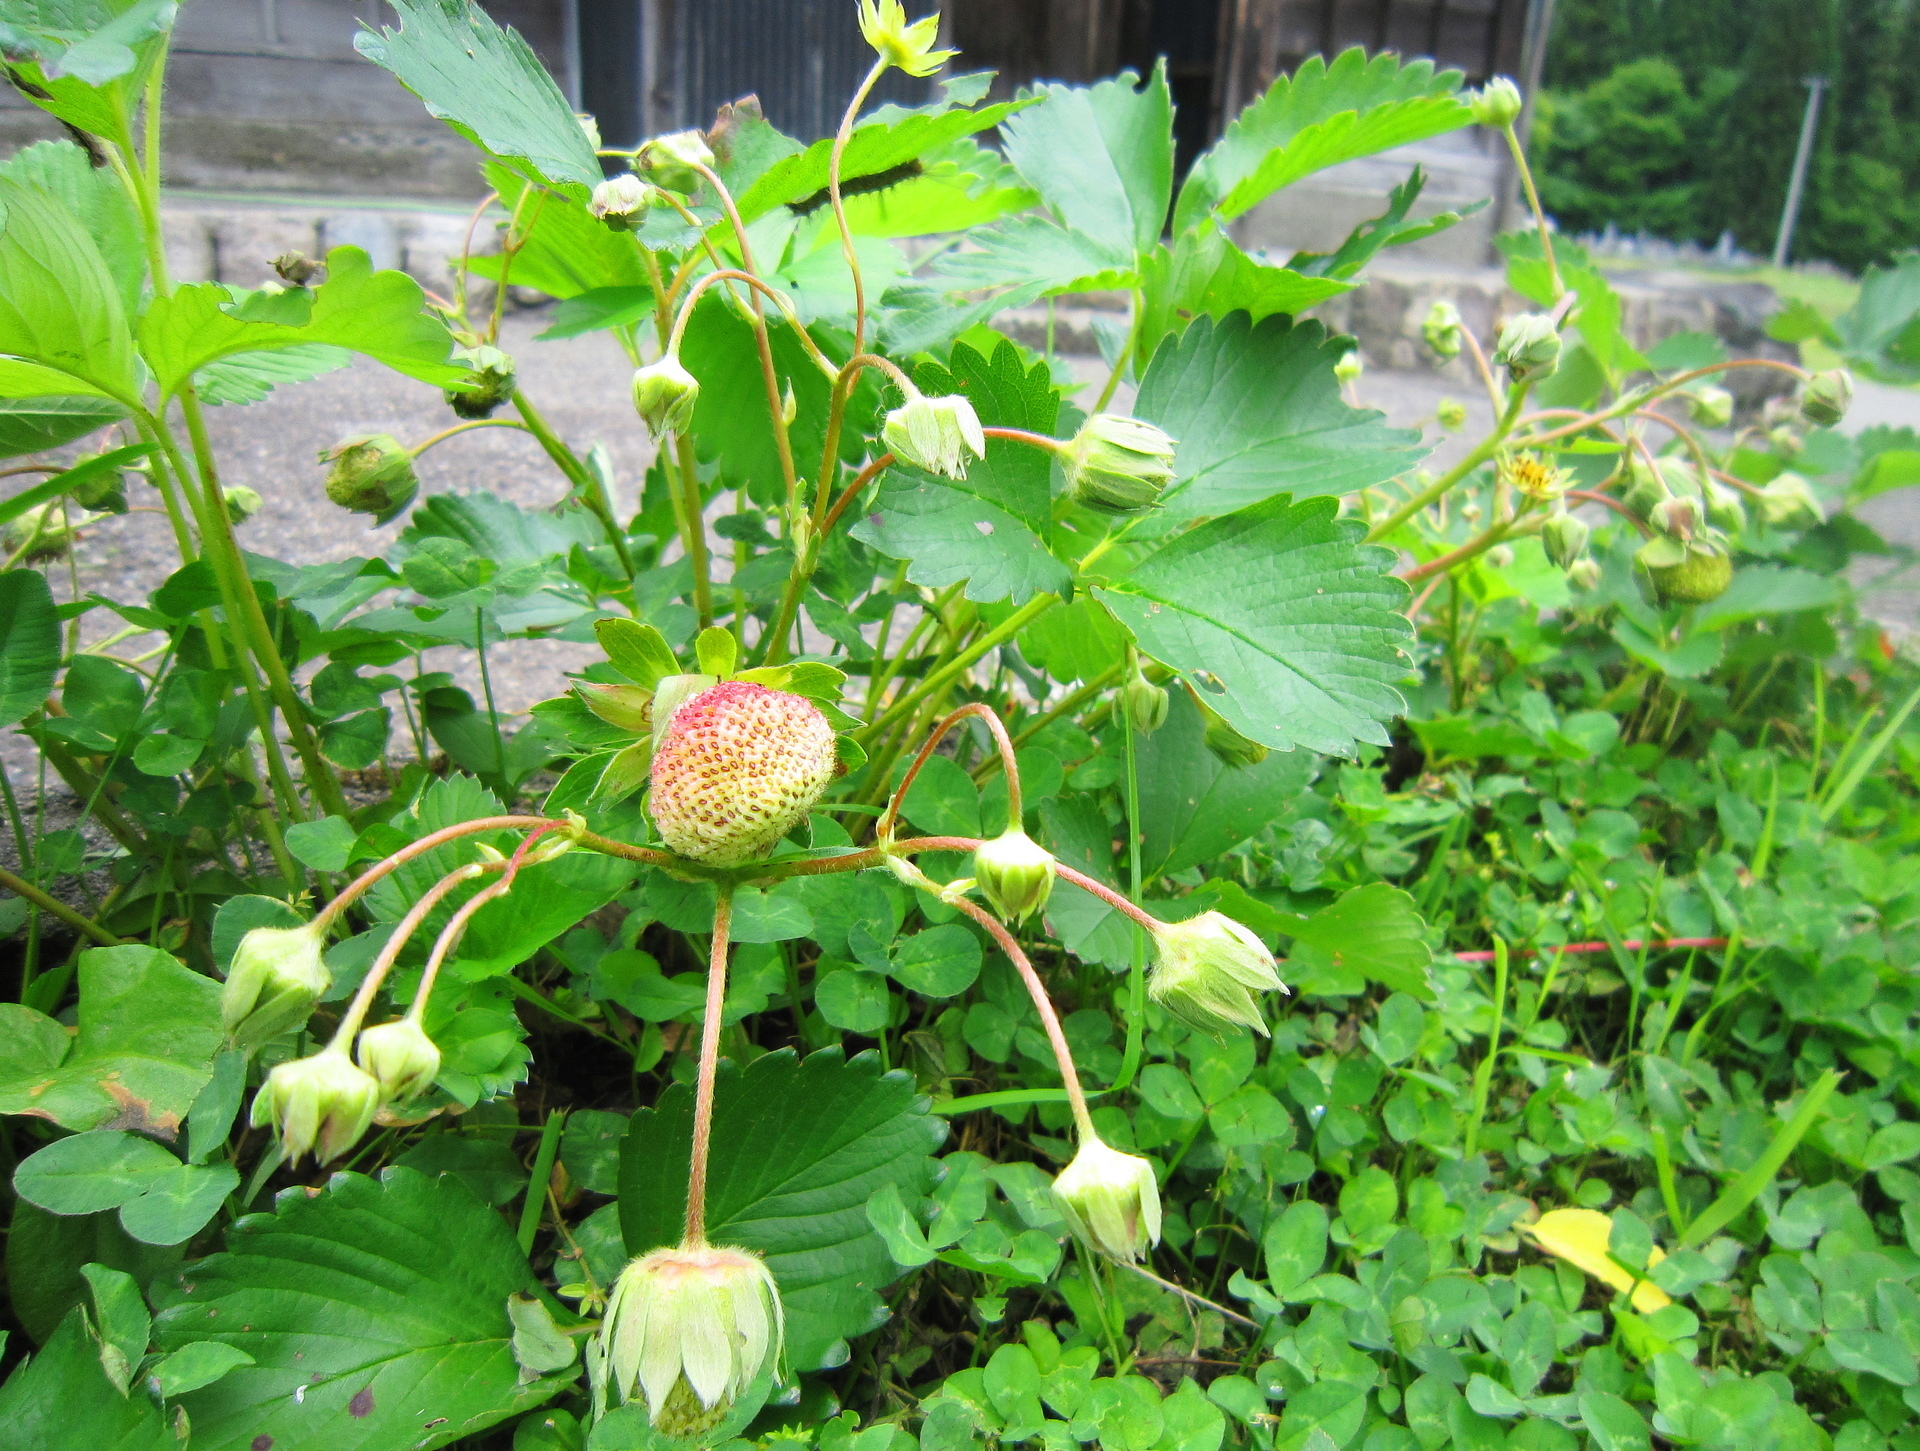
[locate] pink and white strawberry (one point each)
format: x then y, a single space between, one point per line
735 768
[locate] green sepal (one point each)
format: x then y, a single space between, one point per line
717 651
637 651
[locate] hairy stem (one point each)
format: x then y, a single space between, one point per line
1486 449
696 1235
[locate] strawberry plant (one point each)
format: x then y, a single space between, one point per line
1125 912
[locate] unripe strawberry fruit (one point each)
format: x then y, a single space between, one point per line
736 768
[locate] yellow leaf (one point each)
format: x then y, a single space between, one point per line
1579 1236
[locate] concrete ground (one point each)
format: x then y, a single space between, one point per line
582 386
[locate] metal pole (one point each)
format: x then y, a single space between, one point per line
1803 154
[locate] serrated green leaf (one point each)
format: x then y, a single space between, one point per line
29 644
1374 930
875 147
1101 156
1031 256
379 314
1193 807
1318 117
250 377
59 305
563 252
798 1148
149 1028
947 536
372 1301
94 197
1281 618
1880 334
61 1400
1205 275
1255 410
39 424
487 84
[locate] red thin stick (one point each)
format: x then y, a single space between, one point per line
1631 945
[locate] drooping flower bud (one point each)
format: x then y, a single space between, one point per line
621 201
276 977
1584 573
935 434
1206 971
45 532
372 473
1710 407
1441 328
688 1330
486 387
1500 556
1349 367
1826 397
1014 873
1788 501
1529 348
664 393
296 269
1110 1201
1145 704
401 1057
1117 465
1725 511
1533 476
671 161
319 1105
1496 104
242 503
735 768
1451 414
883 24
1565 538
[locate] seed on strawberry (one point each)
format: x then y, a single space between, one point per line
737 767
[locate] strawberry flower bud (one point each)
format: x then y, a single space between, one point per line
883 23
935 434
735 768
1584 573
1117 465
1496 104
401 1057
688 1330
1014 873
1565 538
1110 1201
242 503
1529 348
1789 500
1710 407
621 201
276 977
1145 704
490 383
1826 397
1206 971
1441 328
672 161
371 474
664 393
319 1105
1451 415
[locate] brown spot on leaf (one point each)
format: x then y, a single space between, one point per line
136 1114
262 1442
362 1404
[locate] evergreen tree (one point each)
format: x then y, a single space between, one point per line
1749 160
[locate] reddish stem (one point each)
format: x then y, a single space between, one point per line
852 492
1592 496
696 1236
1105 894
456 928
1043 1005
1631 945
1015 811
355 889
